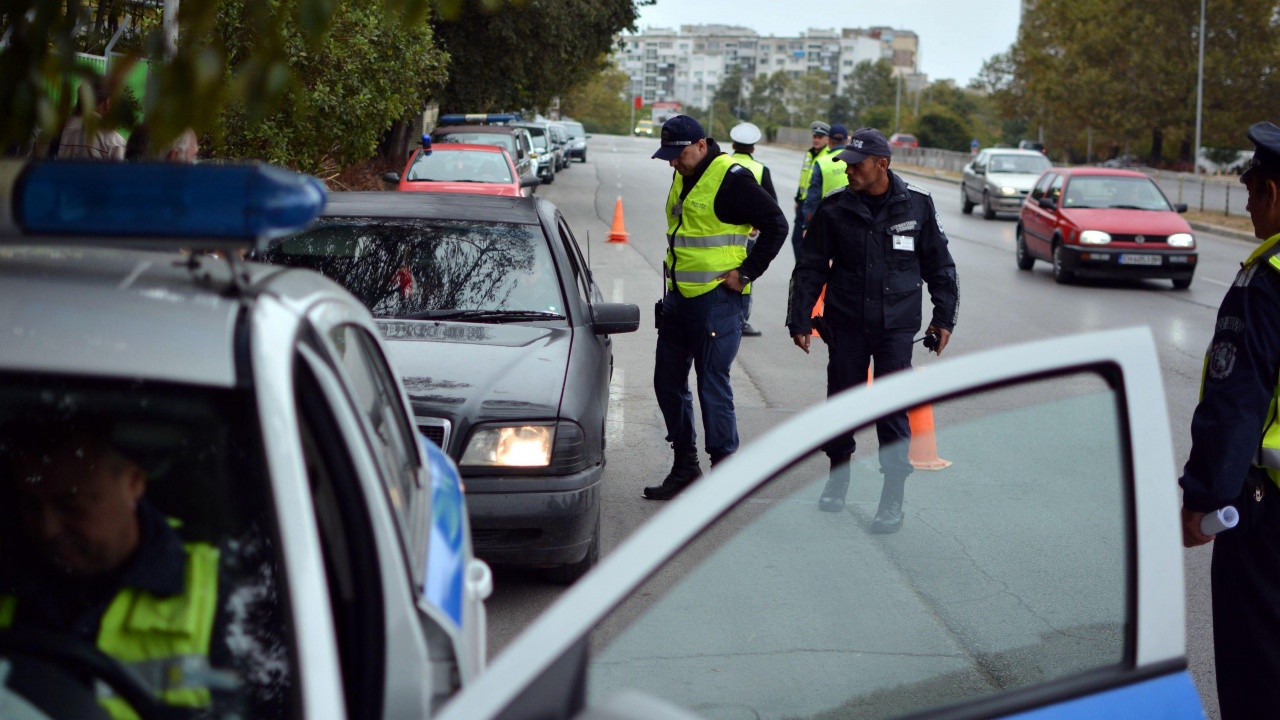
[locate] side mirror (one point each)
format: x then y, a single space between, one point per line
529 181
1180 207
588 137
391 178
613 318
1048 203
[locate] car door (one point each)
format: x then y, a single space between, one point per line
974 177
1037 222
1040 575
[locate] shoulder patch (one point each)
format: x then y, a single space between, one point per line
737 169
916 188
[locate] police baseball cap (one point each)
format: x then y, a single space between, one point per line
1266 147
865 143
838 131
678 133
820 128
745 134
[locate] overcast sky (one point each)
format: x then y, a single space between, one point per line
955 37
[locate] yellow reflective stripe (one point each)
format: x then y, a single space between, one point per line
1263 249
709 241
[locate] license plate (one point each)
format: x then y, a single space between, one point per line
1127 259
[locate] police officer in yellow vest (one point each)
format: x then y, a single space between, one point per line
745 136
828 173
87 556
1235 457
819 130
711 207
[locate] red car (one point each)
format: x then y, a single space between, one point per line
461 168
903 140
1100 222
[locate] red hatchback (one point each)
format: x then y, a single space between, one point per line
461 168
1100 222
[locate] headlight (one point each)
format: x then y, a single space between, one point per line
1183 240
1008 191
1094 237
515 446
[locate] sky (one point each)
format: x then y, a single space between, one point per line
956 36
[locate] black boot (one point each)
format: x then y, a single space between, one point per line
684 471
889 515
837 487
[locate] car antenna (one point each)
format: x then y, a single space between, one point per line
588 249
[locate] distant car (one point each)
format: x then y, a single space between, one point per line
1126 160
494 129
577 140
1031 145
461 168
999 180
501 334
560 138
545 151
644 127
903 140
1095 222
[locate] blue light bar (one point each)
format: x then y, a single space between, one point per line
237 205
478 118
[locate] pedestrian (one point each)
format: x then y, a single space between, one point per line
711 207
184 149
819 148
75 142
1235 457
872 245
745 136
828 173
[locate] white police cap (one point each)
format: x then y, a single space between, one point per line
745 134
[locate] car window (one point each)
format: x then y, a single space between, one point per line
581 275
67 449
426 268
980 162
1042 185
1101 191
1029 164
502 140
459 166
1055 188
1012 571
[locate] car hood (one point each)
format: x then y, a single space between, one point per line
506 189
1128 222
478 372
1022 182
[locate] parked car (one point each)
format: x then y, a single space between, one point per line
268 449
1040 575
903 140
1096 222
545 150
644 127
1031 145
560 138
491 129
1127 160
577 140
461 168
501 334
999 180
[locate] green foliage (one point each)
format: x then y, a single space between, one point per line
362 76
528 53
942 130
601 104
870 84
879 117
812 94
1221 156
769 100
730 91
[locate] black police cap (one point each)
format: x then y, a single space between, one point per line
1266 145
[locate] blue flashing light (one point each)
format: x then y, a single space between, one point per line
426 144
446 562
478 118
233 204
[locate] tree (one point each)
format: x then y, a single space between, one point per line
942 130
730 92
769 101
870 84
812 94
600 103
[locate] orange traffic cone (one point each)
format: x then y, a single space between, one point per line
817 311
617 233
923 452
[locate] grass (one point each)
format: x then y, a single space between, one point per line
1234 222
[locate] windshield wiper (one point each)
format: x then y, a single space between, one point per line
1128 207
482 315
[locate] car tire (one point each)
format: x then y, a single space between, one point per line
966 207
1060 274
1181 283
584 156
550 178
1021 253
988 212
569 574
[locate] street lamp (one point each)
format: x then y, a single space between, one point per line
1195 160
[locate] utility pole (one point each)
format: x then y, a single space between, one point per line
1195 159
897 106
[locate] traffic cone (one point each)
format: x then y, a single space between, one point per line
923 452
818 308
617 233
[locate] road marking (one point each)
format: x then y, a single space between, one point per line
616 422
1216 282
616 295
138 269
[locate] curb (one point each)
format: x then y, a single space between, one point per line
1224 232
925 174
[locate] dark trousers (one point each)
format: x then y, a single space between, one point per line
703 333
1246 608
797 230
849 354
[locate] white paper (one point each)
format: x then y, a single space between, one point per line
1215 522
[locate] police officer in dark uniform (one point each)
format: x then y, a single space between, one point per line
1235 457
872 243
711 207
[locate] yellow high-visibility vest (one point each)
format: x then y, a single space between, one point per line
701 247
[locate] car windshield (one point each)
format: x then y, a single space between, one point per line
502 140
1100 191
575 130
460 166
432 268
1028 164
112 487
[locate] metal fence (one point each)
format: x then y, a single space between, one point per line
794 136
934 158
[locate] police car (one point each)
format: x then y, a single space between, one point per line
1038 576
213 494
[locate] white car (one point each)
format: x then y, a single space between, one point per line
1039 576
275 442
999 179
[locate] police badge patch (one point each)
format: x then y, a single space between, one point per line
1222 360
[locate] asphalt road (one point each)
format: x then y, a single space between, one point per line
773 380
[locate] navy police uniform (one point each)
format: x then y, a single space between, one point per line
1233 462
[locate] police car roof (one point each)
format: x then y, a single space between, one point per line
433 206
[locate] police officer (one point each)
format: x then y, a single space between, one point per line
820 131
1235 457
711 207
872 244
828 173
745 136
